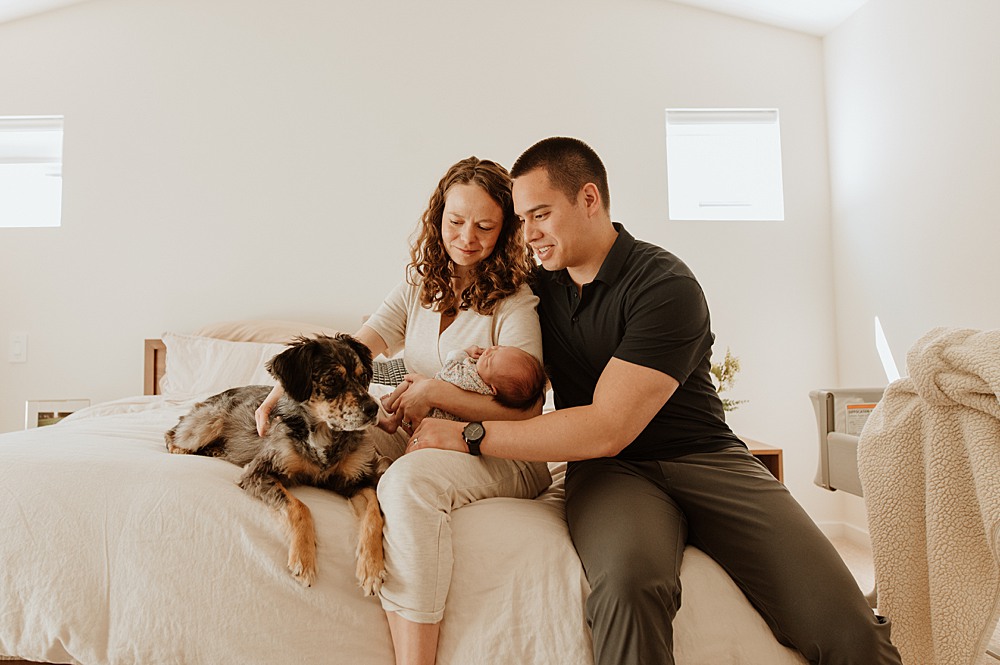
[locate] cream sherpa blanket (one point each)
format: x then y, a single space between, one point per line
929 461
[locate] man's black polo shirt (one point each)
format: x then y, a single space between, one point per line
645 307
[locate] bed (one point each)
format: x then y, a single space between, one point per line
114 551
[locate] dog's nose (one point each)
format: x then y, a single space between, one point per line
370 409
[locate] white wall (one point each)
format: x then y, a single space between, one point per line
914 97
256 159
913 89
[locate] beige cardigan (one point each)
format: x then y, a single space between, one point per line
402 321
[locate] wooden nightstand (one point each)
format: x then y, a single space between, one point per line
769 455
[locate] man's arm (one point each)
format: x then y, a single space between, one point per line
626 398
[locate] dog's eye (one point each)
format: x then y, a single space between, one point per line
333 381
330 390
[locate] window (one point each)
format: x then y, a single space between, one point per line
724 164
31 170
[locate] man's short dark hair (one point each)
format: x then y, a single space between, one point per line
570 164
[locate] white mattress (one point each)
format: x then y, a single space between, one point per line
114 551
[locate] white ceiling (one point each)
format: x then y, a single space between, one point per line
12 9
816 17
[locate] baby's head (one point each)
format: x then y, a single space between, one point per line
516 377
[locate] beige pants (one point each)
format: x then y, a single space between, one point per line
417 495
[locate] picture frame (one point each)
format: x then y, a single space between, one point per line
39 413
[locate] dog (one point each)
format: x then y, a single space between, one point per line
316 437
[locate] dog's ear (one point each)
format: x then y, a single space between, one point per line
293 368
364 353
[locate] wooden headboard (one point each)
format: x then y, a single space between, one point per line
243 330
155 366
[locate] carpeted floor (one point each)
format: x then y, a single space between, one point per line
859 559
992 655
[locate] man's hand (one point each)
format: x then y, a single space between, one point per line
438 433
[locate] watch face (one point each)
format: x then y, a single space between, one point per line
474 431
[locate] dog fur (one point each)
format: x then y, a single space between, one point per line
316 437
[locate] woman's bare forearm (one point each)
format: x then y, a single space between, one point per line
470 406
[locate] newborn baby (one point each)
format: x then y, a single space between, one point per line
514 377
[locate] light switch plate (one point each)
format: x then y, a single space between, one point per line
18 350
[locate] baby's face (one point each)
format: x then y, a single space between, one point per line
495 360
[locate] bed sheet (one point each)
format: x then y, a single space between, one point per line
115 551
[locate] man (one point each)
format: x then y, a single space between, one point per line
627 339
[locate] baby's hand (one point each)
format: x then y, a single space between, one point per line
475 351
388 423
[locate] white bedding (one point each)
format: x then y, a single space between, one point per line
114 551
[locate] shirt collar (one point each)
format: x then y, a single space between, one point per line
615 260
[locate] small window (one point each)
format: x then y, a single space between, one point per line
31 171
724 164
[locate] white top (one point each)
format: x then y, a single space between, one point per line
402 321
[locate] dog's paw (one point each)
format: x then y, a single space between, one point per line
302 566
175 449
371 576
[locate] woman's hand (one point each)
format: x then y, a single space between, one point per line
263 413
394 421
389 401
414 402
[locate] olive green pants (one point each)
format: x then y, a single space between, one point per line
630 522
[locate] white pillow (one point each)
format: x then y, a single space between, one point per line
207 365
263 330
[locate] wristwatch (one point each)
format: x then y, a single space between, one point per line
473 435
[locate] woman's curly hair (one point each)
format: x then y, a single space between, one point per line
494 278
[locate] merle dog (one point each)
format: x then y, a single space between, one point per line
316 437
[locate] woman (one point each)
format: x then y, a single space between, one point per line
465 285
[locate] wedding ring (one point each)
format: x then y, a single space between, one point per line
407 423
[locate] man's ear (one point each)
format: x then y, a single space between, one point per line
591 197
293 368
